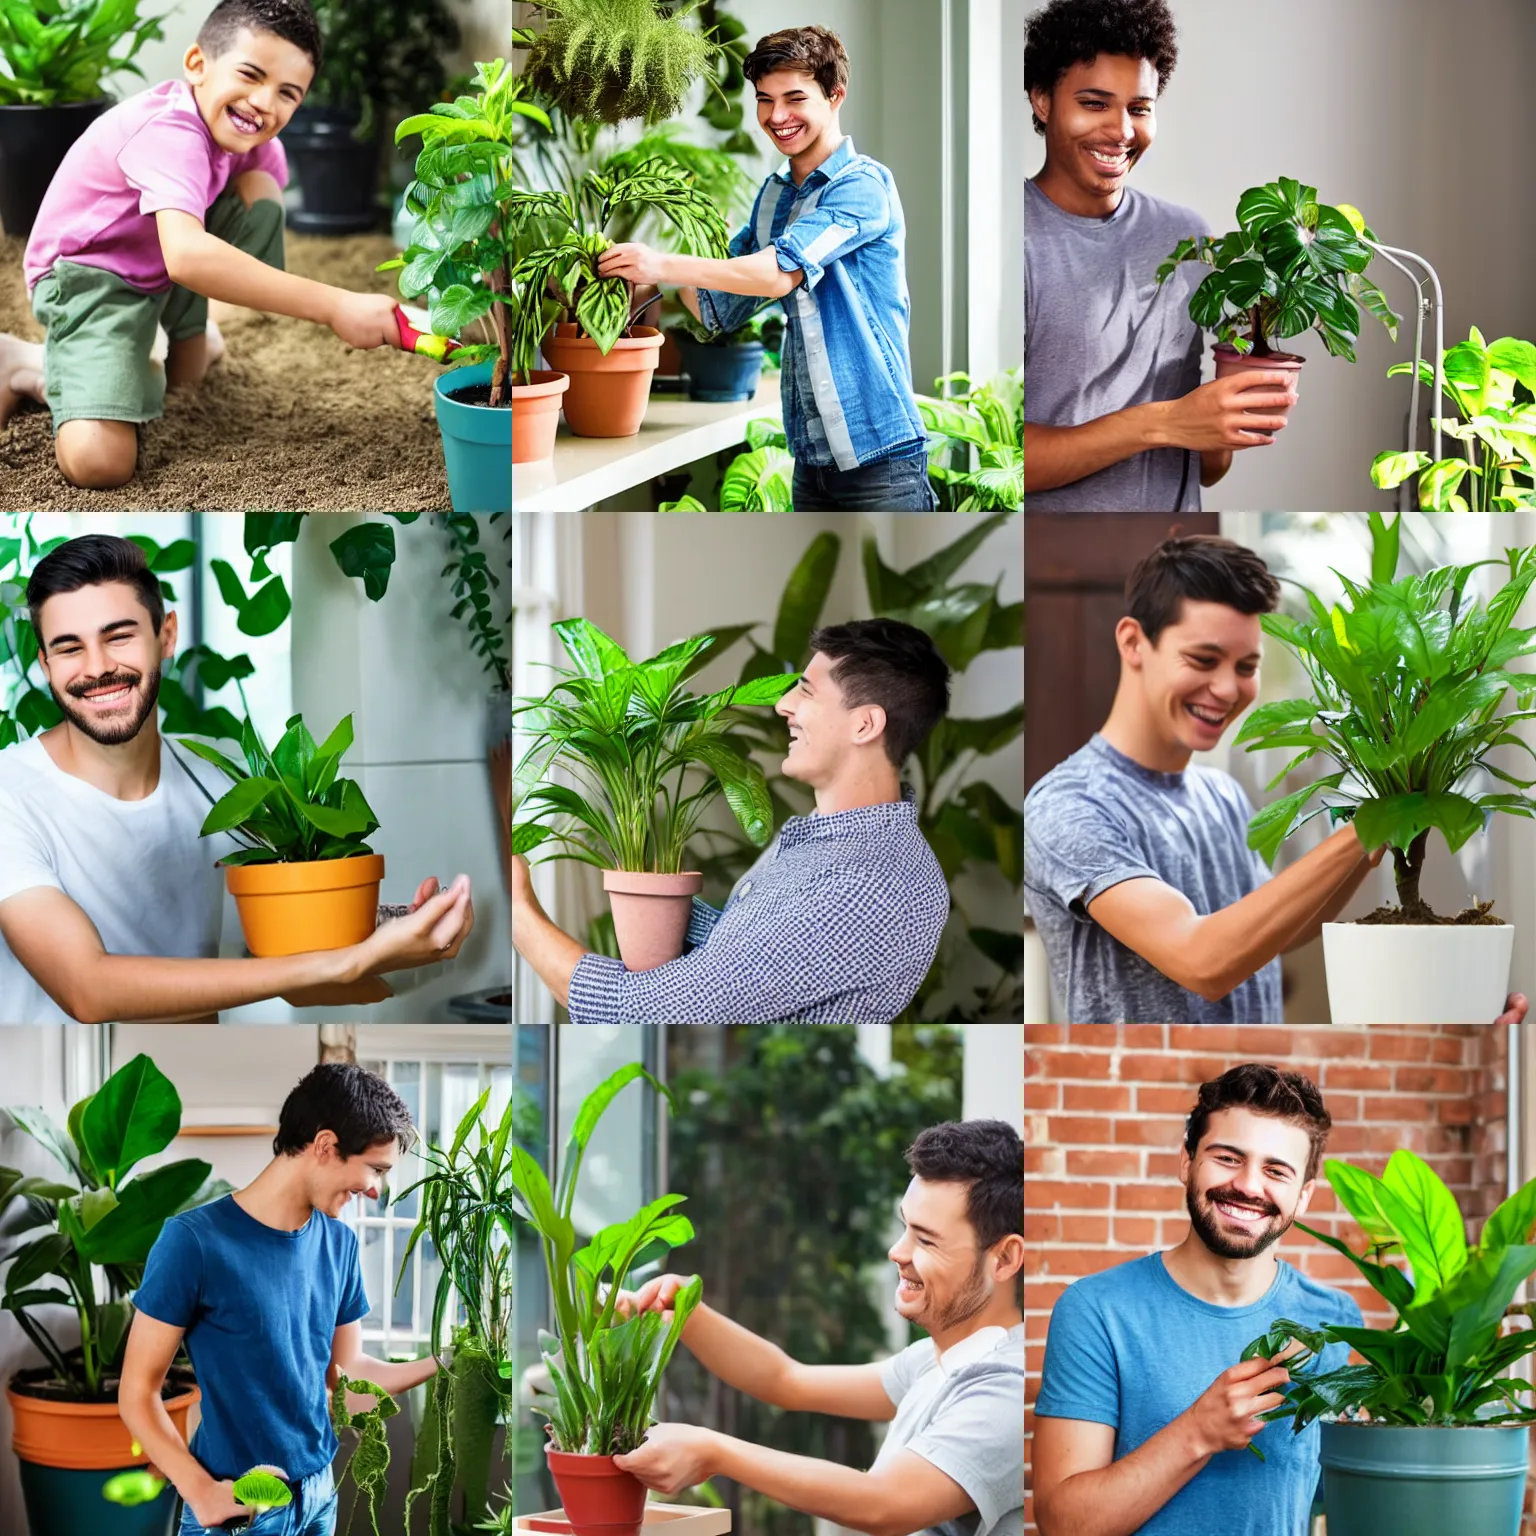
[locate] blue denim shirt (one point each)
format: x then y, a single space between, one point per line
846 370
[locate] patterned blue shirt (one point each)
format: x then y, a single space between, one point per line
836 923
845 368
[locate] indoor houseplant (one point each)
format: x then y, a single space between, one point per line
1493 388
81 1242
631 733
609 360
536 393
724 365
303 877
990 419
376 55
53 57
1409 677
1428 1433
460 261
759 480
1293 264
605 1369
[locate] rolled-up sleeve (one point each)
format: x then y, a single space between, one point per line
852 211
730 311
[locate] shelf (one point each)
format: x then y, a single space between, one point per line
676 431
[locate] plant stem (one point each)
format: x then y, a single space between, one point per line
1407 868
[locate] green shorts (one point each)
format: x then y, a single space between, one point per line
101 330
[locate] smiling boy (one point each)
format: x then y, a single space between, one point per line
827 236
1151 905
168 200
1117 418
839 919
265 1290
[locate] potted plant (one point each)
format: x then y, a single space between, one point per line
537 393
82 1242
1427 1434
1409 676
759 480
610 360
1293 264
605 1369
989 418
1493 386
303 878
53 57
460 260
377 55
631 733
723 366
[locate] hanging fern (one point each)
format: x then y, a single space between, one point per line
370 1461
608 60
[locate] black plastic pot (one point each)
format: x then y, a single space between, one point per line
33 143
337 174
721 373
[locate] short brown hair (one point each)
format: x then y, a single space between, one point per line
892 664
1203 568
810 50
1266 1090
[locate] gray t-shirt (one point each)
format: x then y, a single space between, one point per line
1100 336
964 1414
1100 818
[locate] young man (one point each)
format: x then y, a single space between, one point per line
839 919
952 1463
265 1290
1151 905
109 897
1118 419
171 198
828 237
1145 1413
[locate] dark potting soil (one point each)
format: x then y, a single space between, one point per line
1480 914
289 419
38 1382
479 394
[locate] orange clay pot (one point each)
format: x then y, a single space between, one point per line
286 909
650 914
608 395
536 415
598 1498
89 1437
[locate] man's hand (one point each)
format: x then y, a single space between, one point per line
1225 1417
435 929
673 1457
638 263
1238 412
218 1505
364 320
1515 1006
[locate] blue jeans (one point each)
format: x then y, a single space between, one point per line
312 1513
895 484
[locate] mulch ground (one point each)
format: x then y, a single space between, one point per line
290 418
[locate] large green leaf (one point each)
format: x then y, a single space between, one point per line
134 1114
804 596
593 652
126 1233
1434 1240
746 789
367 551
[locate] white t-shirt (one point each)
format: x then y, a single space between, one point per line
137 868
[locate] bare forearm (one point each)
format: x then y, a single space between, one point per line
690 298
739 1357
750 275
1119 1499
148 1422
552 952
1331 907
1214 463
1056 456
820 1488
218 270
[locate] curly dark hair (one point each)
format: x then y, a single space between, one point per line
1069 32
1266 1090
363 1110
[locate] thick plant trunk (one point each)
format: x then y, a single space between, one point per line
1261 347
1408 866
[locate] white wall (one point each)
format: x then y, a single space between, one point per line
992 1075
1409 109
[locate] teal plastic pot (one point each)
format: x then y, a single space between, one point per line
65 1501
477 443
1423 1482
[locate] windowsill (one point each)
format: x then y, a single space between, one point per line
676 431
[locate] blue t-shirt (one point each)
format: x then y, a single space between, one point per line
1131 1348
260 1308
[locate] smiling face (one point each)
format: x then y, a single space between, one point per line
102 659
1247 1182
1099 121
822 730
941 1272
333 1180
1199 677
247 93
793 112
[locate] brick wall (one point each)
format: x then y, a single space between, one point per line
1104 1108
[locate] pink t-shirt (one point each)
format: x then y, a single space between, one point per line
150 152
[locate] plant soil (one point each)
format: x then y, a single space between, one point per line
39 1382
289 419
1480 914
480 394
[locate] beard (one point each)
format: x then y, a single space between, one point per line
970 1299
111 733
1221 1240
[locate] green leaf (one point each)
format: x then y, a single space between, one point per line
240 804
134 1114
367 551
1434 1240
804 596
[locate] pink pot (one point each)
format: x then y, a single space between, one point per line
598 1499
650 914
1230 361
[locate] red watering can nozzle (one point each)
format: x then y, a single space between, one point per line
439 348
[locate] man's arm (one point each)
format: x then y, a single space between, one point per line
348 1359
758 275
1214 463
59 946
553 953
1336 903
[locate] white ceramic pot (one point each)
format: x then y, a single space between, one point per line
1417 973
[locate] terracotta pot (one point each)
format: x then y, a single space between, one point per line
607 395
286 909
536 415
598 1499
51 1432
1230 361
650 914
